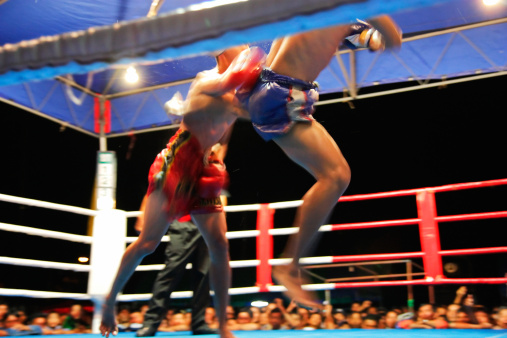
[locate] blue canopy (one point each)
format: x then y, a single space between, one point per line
444 40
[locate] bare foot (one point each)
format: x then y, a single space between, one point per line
389 30
226 333
288 276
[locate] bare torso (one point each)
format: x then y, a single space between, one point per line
208 116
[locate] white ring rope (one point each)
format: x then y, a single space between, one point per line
47 205
144 297
44 264
181 294
46 233
42 294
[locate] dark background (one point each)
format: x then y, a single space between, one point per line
425 138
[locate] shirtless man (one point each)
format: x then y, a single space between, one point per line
281 107
187 177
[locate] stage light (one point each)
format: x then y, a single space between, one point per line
131 75
490 2
83 259
259 303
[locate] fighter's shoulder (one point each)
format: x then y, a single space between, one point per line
204 80
206 74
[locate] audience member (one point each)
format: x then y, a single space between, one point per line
54 324
256 313
314 322
329 318
278 317
263 318
77 321
305 315
354 321
291 320
231 316
340 318
452 312
482 316
177 323
441 311
136 320
425 319
244 321
275 321
123 319
22 317
501 319
390 320
210 317
370 322
4 309
14 327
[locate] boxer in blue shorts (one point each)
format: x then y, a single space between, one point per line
281 106
278 102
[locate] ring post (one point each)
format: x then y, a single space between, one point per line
108 236
430 238
264 247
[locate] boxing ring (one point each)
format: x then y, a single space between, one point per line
110 241
109 232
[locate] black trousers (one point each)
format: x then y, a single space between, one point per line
186 245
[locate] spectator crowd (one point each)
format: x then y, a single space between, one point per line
463 313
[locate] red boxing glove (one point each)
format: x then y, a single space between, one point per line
213 179
244 71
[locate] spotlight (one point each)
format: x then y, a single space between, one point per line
259 303
83 259
490 2
131 75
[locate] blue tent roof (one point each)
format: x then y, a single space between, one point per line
442 40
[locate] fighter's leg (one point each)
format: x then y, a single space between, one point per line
213 227
310 146
178 252
155 226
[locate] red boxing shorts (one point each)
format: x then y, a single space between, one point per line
178 170
214 177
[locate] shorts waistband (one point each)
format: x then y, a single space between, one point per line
269 75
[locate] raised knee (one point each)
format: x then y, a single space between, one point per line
340 178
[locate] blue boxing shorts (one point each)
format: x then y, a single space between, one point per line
277 101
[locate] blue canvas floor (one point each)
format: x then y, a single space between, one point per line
353 333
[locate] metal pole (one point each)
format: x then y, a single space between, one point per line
102 134
410 288
431 294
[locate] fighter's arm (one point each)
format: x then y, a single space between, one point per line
140 220
155 226
243 70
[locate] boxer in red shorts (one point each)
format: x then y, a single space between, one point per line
192 185
188 175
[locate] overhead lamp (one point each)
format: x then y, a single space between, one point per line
131 75
490 2
259 303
